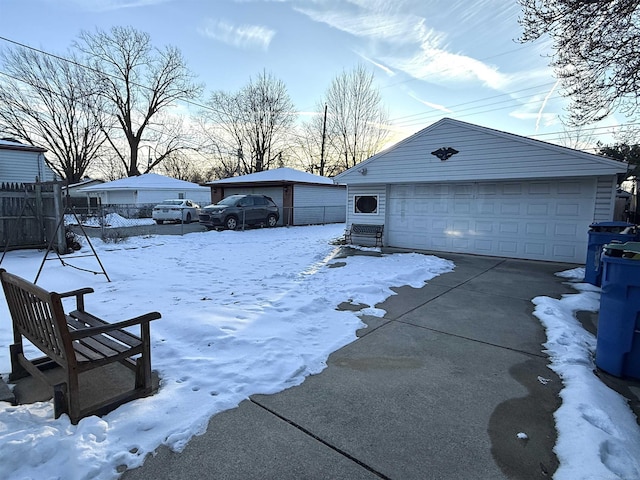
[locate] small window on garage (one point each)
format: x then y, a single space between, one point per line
365 204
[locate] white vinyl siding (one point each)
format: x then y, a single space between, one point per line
23 167
501 194
484 154
315 204
200 196
538 220
368 218
605 199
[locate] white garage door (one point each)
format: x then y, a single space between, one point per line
541 220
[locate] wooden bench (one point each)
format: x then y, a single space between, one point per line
364 230
77 342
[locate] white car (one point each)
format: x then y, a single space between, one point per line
178 210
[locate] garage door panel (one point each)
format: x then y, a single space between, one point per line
538 220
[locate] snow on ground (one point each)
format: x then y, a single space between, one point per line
255 312
598 436
110 220
242 313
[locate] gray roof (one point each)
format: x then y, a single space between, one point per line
148 181
278 175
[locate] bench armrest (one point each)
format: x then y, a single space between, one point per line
90 331
79 294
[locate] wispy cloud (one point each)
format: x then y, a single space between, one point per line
382 67
544 103
109 5
404 42
435 106
241 36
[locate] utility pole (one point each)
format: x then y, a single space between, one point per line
324 133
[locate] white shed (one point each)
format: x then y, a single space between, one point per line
146 189
21 163
303 198
459 187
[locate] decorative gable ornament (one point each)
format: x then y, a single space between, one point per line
444 153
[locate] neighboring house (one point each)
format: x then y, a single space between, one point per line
146 189
21 163
303 198
73 197
488 193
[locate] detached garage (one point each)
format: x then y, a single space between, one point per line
458 187
303 198
146 189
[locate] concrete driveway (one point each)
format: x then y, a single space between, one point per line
437 389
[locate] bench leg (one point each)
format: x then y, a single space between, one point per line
17 370
60 400
143 364
143 376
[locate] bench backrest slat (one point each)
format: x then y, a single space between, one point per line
39 316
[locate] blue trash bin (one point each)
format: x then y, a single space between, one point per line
618 339
601 234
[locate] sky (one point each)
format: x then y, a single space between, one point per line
431 59
246 310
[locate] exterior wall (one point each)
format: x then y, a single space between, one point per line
118 197
311 204
605 199
484 154
275 193
315 204
23 167
201 197
374 219
134 197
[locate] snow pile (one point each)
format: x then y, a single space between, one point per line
598 436
242 313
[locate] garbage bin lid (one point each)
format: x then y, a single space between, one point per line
611 224
630 247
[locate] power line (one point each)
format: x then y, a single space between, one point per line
451 107
413 119
87 67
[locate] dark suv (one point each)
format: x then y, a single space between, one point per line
238 210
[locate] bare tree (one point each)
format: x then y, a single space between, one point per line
578 137
47 101
597 52
183 167
140 82
108 167
251 126
314 152
356 119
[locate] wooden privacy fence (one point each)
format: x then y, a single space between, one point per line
30 214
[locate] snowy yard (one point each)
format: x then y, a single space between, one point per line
256 311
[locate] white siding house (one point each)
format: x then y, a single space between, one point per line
146 189
303 198
499 194
20 163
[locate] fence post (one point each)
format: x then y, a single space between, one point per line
58 213
39 209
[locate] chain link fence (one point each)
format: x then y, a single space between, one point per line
116 222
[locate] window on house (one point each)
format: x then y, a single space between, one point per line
365 204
